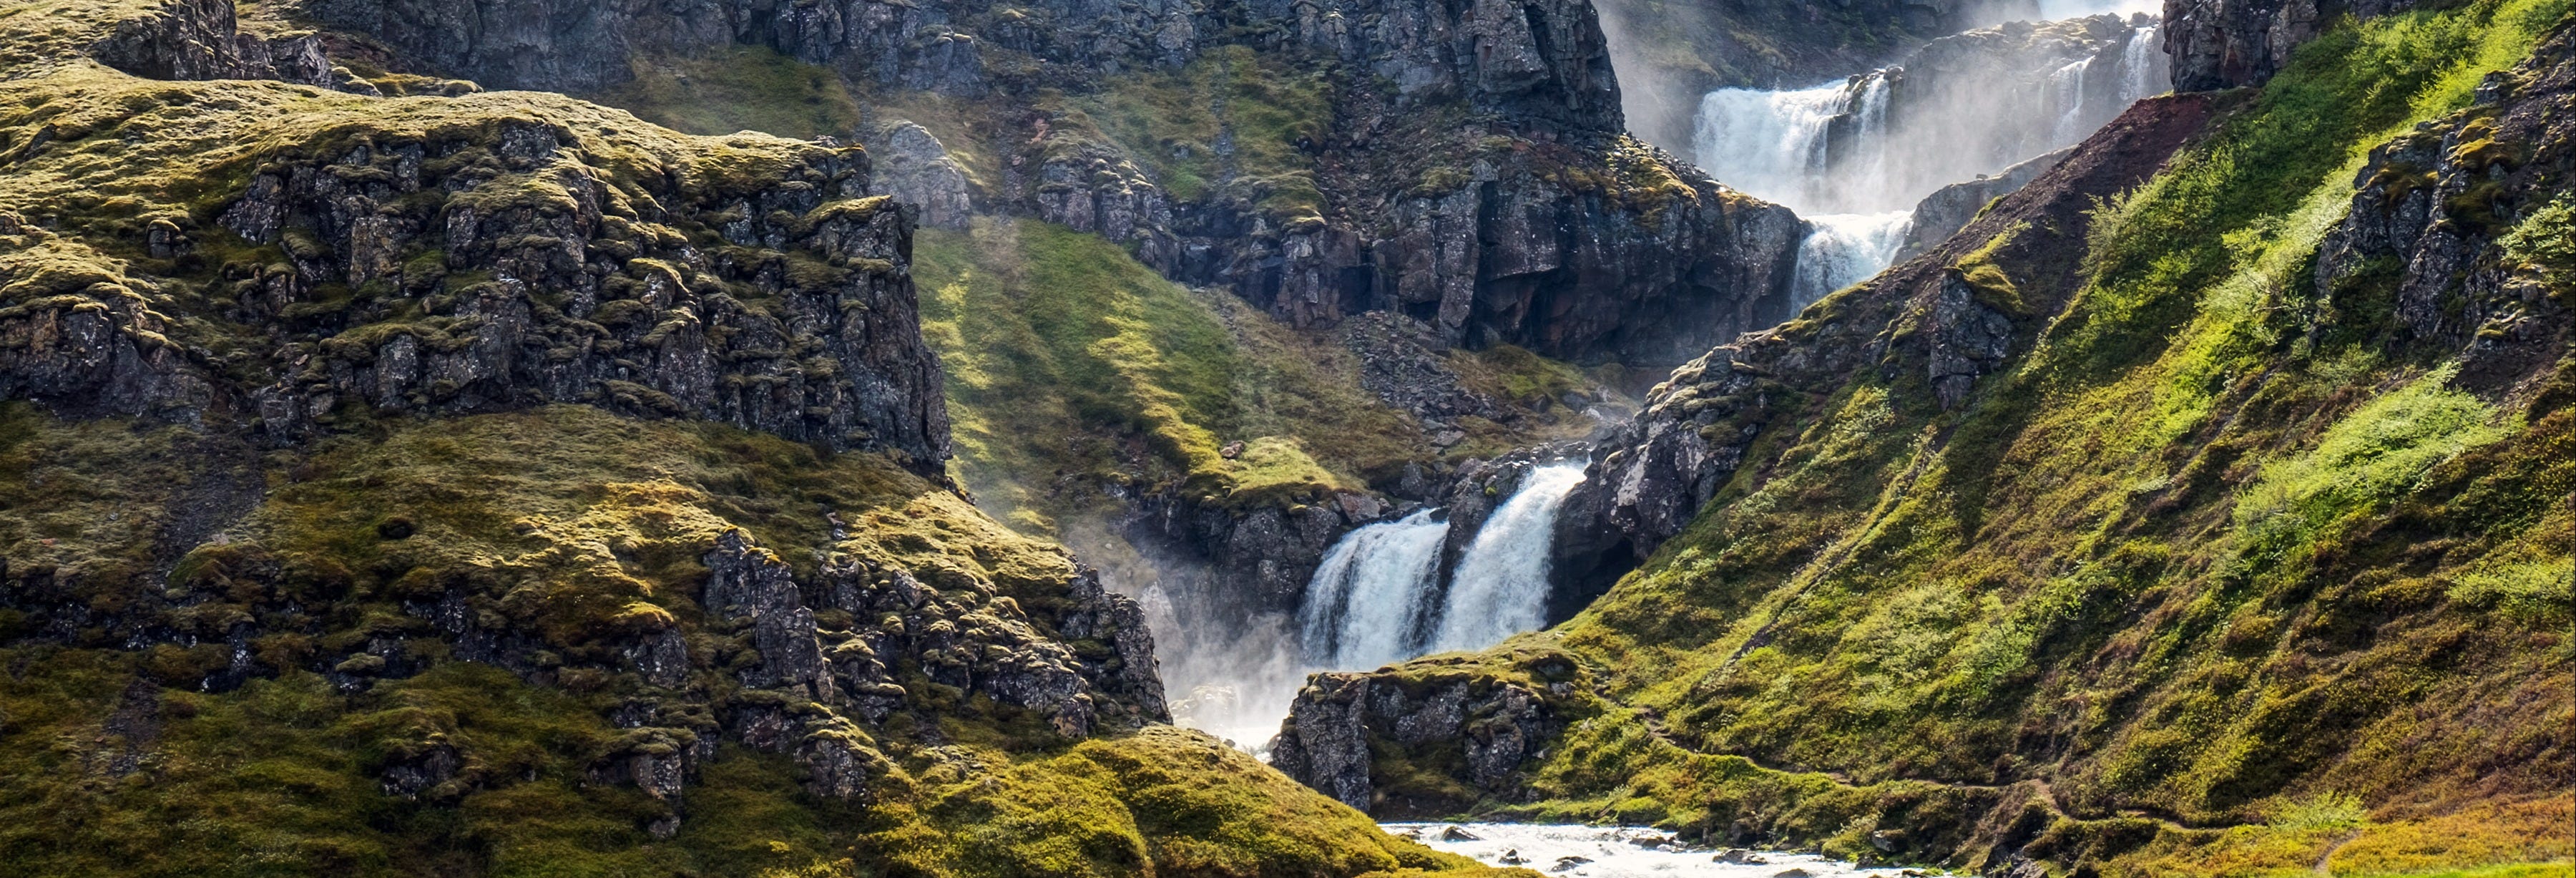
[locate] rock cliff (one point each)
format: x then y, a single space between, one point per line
1925 316
470 255
1465 165
2228 43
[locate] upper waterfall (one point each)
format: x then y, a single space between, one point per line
1853 157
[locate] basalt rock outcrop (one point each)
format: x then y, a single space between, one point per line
1948 209
1487 726
2448 218
494 263
2219 44
285 285
1652 261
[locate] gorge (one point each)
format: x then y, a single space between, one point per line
960 438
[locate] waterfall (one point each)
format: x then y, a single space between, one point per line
1500 588
1365 606
1842 249
1768 144
2053 10
1854 157
2066 88
2142 63
1778 145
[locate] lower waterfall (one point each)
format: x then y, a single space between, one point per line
1377 599
1500 588
1366 605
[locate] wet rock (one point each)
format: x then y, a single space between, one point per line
1455 833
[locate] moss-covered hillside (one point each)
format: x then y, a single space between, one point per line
2216 525
499 484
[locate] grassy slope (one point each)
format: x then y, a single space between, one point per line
570 524
1073 368
587 522
2219 554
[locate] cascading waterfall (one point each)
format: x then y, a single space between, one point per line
2142 62
1776 145
2066 87
1854 157
1366 605
1500 588
1842 249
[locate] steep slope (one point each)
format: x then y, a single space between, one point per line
499 484
2198 510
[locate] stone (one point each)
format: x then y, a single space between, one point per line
915 168
2219 44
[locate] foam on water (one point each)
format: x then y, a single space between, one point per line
1610 852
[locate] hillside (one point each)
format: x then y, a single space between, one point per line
492 483
2202 508
945 437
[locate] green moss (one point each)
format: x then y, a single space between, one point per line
2200 562
1232 121
737 88
580 528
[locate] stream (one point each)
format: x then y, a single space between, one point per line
1615 852
1853 157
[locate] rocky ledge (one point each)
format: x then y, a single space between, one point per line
482 253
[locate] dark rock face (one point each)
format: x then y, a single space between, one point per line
1473 225
2219 44
792 679
680 340
1493 726
2430 209
954 47
1401 362
1659 264
200 39
1542 63
978 642
1259 557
